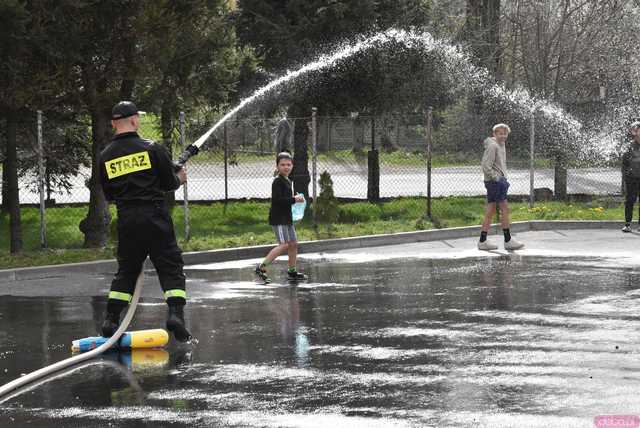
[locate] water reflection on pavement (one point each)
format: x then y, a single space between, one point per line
502 341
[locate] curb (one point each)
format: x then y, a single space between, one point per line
108 267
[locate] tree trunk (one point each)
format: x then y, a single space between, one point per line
96 225
482 31
560 178
5 186
491 26
47 176
386 142
166 116
13 190
323 134
358 136
300 173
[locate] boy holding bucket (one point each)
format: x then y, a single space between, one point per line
281 219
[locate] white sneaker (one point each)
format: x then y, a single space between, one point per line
626 228
513 245
486 246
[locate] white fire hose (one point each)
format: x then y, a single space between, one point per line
45 371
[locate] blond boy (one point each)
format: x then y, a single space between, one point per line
494 167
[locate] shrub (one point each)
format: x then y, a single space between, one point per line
326 205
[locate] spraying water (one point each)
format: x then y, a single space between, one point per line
464 77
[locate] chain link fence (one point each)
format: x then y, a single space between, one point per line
384 169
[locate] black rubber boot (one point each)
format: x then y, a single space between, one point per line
175 323
112 318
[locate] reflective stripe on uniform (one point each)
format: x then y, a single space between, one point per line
175 293
117 295
127 164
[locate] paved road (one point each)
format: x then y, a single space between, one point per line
253 180
424 334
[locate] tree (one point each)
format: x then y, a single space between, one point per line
281 31
32 79
300 172
66 149
560 48
326 206
191 47
568 52
14 95
94 47
482 32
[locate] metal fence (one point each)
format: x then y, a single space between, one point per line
394 166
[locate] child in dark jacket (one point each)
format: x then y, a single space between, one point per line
631 175
280 218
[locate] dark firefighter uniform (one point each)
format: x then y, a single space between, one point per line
136 174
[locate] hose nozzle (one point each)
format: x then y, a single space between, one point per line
191 150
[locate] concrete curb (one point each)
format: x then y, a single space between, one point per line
108 267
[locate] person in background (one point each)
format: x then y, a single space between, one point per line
494 167
631 175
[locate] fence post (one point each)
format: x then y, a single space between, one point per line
43 225
314 159
185 191
532 139
226 163
428 135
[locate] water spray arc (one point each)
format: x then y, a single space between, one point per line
464 75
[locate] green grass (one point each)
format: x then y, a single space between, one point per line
53 257
245 223
455 212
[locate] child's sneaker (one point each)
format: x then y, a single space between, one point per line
626 228
262 274
513 245
487 246
296 276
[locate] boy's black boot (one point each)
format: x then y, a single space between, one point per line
175 322
112 318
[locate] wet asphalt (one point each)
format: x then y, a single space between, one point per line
426 334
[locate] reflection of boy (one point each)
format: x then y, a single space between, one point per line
631 174
494 167
286 307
